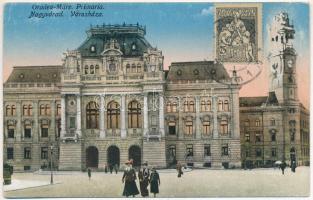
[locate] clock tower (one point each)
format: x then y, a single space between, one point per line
282 60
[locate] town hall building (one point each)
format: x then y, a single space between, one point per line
111 100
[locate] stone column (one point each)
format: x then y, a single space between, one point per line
63 115
161 114
19 128
180 119
123 117
145 114
102 130
234 108
35 125
78 116
198 132
215 121
52 125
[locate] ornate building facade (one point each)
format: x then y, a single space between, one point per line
276 127
111 101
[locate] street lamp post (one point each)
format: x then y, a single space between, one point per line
51 153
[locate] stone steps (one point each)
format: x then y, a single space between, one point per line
70 156
154 153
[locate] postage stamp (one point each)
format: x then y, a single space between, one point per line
237 33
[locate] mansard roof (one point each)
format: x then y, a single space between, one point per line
29 74
258 101
126 36
199 70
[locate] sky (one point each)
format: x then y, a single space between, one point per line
183 31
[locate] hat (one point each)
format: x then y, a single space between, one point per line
128 162
145 163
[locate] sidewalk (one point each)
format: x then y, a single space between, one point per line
23 184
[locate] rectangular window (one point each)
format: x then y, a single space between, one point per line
72 122
172 128
207 150
273 152
247 137
27 132
10 153
225 150
44 152
27 153
258 152
10 132
206 128
258 137
224 127
189 127
189 150
44 131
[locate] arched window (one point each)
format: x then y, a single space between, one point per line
273 122
273 136
247 123
25 110
189 127
220 105
128 68
168 107
257 122
92 69
208 105
86 69
174 107
133 68
203 106
186 106
191 106
42 109
58 109
206 130
113 115
13 110
8 110
97 69
48 109
134 115
92 115
226 105
138 68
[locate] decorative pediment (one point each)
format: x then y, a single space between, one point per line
11 122
171 118
223 115
28 122
112 48
188 118
44 121
206 118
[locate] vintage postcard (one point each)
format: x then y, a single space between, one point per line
151 99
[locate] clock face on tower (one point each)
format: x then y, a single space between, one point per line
290 63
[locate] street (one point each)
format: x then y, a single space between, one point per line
196 183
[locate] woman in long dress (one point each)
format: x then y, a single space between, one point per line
129 178
143 176
154 182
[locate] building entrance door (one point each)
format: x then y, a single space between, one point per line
134 153
113 155
92 157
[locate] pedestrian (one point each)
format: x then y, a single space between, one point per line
143 176
282 167
155 182
106 168
116 168
293 166
129 177
111 168
179 170
89 172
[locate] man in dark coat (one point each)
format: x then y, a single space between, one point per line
143 176
111 168
154 182
179 170
129 178
89 172
283 167
293 166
